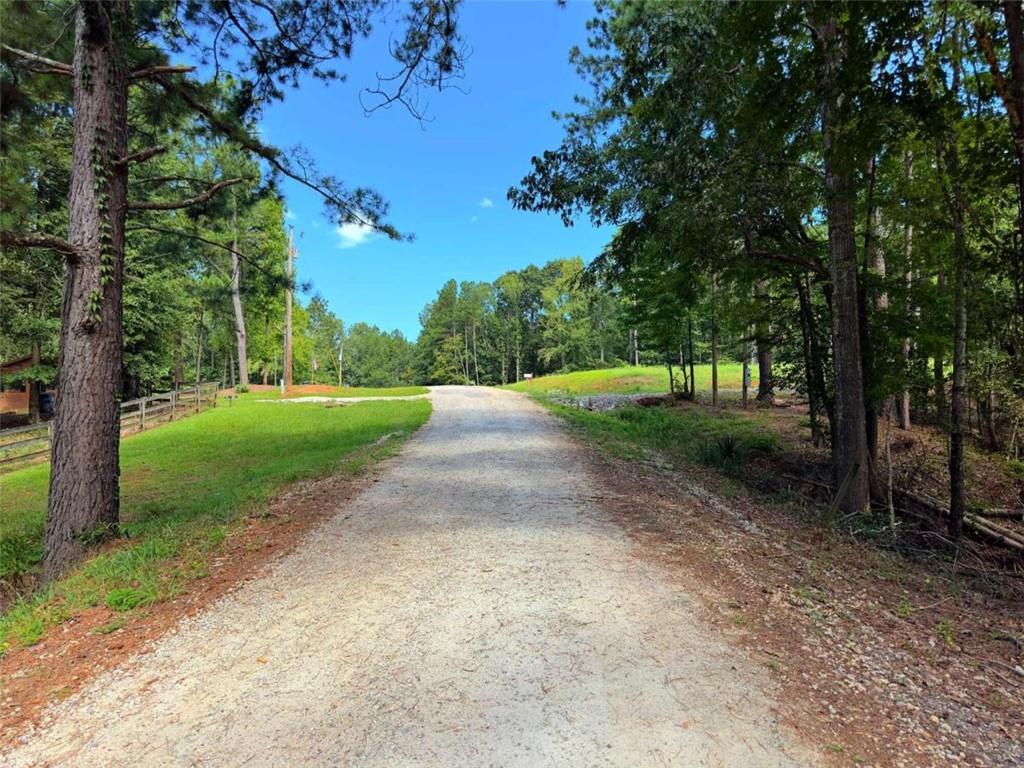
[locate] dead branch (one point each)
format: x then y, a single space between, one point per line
1010 512
39 64
187 202
152 72
141 156
38 240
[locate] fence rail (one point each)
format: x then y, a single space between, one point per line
23 445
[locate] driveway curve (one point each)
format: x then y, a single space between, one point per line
473 607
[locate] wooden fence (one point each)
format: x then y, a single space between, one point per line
23 445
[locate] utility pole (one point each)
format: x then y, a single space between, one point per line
290 274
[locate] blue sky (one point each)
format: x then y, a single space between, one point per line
446 180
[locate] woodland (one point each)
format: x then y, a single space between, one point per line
830 193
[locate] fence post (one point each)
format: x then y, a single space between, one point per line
199 404
142 415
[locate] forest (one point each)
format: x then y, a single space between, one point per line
842 183
819 202
834 193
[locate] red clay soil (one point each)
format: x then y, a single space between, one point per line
78 650
882 657
296 390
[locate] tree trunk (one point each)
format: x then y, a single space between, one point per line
957 490
83 493
939 370
762 335
873 408
810 363
33 386
476 360
236 302
714 342
288 311
693 377
903 403
746 378
199 345
179 365
957 495
519 358
849 435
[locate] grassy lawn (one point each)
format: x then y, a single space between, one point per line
720 439
182 486
630 379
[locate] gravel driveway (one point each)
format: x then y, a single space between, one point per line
474 607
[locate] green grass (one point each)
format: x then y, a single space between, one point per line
719 439
629 380
182 485
339 392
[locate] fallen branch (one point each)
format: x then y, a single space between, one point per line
1017 514
911 502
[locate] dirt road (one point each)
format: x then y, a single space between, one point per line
475 607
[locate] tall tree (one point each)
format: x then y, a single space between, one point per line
117 45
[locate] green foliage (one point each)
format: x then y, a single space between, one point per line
536 320
627 380
683 433
701 138
374 358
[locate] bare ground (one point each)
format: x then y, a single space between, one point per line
476 606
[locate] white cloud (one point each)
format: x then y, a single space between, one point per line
486 203
352 234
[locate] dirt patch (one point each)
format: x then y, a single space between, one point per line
881 660
76 651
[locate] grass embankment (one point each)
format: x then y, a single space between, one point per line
719 439
630 380
183 486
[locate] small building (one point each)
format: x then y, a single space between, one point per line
14 396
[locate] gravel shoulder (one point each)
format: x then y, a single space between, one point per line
476 606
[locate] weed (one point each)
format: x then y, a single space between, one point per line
111 626
126 598
946 630
904 609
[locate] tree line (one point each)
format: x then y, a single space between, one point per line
842 183
123 167
532 321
